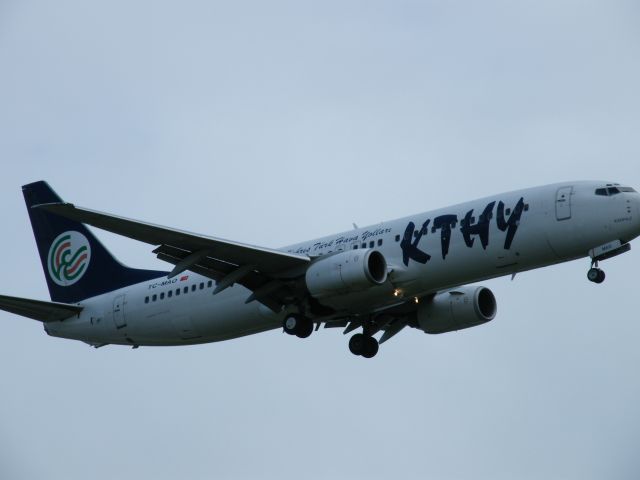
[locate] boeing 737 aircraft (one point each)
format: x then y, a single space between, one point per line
411 272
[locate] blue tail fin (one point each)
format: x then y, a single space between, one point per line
75 263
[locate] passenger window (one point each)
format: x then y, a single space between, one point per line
372 244
397 238
209 284
154 298
364 245
170 293
162 296
202 286
177 292
193 288
507 212
380 242
146 299
355 247
526 207
185 290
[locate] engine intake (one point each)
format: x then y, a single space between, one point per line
346 272
457 309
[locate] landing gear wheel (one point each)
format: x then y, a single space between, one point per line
356 344
305 328
370 348
363 345
596 275
290 323
298 325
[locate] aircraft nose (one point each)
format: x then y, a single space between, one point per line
636 205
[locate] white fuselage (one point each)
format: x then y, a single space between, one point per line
551 229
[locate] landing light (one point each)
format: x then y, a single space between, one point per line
397 292
416 299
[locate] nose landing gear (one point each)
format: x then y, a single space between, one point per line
604 252
594 274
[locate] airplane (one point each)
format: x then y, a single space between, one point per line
411 272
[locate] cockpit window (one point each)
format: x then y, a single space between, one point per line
606 192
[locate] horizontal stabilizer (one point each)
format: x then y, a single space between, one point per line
37 309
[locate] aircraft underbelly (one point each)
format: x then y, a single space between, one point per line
183 326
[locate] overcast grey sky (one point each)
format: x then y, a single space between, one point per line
275 122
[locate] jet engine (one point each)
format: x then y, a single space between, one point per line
457 309
346 272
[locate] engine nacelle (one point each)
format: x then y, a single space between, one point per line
346 272
457 309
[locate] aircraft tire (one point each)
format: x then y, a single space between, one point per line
370 347
596 275
356 344
291 324
304 328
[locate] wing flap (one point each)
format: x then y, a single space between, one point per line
218 270
38 309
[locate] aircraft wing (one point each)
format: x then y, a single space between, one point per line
265 260
258 269
37 309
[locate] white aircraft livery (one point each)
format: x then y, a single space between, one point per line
412 272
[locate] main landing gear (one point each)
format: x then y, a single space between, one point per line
360 344
594 274
298 325
363 345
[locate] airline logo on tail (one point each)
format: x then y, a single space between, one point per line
69 258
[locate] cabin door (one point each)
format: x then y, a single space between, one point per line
118 312
563 203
